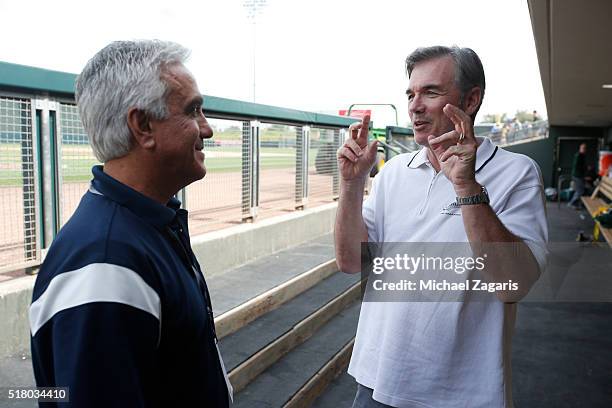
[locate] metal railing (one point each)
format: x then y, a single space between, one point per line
401 140
262 161
398 140
511 134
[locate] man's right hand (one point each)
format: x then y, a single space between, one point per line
356 157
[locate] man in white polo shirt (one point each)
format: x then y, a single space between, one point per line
457 188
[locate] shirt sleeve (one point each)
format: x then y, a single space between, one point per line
524 214
96 331
108 355
369 211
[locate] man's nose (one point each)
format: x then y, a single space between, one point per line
205 129
416 105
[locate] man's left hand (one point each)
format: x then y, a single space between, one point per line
457 154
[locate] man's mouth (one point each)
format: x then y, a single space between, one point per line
200 149
419 124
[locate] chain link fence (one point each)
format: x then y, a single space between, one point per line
322 166
76 159
277 169
216 201
17 183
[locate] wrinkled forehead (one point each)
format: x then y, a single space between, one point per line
179 79
177 74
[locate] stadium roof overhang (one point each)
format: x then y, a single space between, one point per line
574 46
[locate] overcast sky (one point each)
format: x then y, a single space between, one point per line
319 55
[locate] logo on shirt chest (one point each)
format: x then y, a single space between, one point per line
451 209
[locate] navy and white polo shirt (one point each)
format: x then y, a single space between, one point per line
120 312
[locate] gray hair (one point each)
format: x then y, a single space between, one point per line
123 75
468 67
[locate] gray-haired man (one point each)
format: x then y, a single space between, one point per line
121 314
440 354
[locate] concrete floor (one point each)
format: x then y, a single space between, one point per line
562 352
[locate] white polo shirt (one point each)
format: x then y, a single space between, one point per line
445 354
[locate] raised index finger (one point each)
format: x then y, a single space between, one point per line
463 123
362 137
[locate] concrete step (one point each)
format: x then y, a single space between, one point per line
318 383
256 346
289 301
266 302
340 393
245 293
238 285
299 376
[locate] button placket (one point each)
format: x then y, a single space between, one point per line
431 183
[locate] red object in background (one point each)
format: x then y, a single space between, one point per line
605 161
356 113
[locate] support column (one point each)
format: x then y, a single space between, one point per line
302 143
250 170
46 114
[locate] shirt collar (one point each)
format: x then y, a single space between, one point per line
142 206
485 152
419 159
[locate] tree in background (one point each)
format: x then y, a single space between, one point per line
524 116
493 118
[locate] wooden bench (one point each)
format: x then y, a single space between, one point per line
597 200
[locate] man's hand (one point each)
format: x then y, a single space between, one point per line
356 157
457 153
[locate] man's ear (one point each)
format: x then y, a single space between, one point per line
140 126
472 100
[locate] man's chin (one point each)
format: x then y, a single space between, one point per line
421 139
198 174
202 172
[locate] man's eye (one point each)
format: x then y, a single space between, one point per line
410 97
431 94
197 109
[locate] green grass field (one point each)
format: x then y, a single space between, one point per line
77 161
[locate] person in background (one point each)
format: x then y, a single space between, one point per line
590 177
579 169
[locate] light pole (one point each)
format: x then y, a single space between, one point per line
254 8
